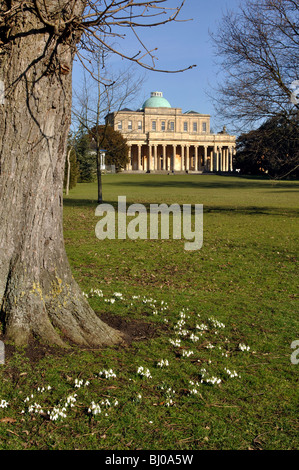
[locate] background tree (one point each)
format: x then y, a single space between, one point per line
258 50
71 170
38 295
98 95
71 165
114 143
272 149
86 161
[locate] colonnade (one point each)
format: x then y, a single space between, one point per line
180 157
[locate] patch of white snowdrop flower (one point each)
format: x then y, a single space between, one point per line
163 363
144 372
107 374
208 379
186 329
243 347
232 373
97 408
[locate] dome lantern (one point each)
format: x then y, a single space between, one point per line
156 101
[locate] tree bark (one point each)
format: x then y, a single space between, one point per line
38 295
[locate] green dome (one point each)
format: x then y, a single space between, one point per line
156 101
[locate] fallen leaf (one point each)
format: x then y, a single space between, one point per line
7 420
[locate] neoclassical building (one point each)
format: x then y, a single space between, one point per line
162 138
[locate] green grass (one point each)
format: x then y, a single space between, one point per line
245 276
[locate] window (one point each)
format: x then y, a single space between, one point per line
154 125
163 126
185 126
130 125
204 127
120 125
140 125
195 127
171 125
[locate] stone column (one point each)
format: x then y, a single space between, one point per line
155 166
211 160
173 157
205 157
164 157
149 158
182 158
139 158
227 159
220 158
196 161
129 165
187 157
216 151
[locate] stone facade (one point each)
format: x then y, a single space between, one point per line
162 138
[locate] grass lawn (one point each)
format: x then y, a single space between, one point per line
208 365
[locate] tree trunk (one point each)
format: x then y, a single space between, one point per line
68 176
38 295
99 175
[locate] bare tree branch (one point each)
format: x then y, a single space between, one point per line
258 51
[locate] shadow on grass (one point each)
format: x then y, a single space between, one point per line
229 210
200 182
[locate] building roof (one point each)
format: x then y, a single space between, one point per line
191 112
156 101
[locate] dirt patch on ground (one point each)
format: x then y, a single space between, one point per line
132 330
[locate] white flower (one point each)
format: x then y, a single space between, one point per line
216 323
169 402
97 292
35 408
193 337
94 408
78 383
163 363
107 373
144 372
231 374
243 347
117 294
187 353
71 399
57 413
209 380
4 404
176 342
202 327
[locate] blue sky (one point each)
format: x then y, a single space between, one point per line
179 45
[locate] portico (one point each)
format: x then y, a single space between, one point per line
161 138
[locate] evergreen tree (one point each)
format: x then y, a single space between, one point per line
271 149
86 161
113 142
